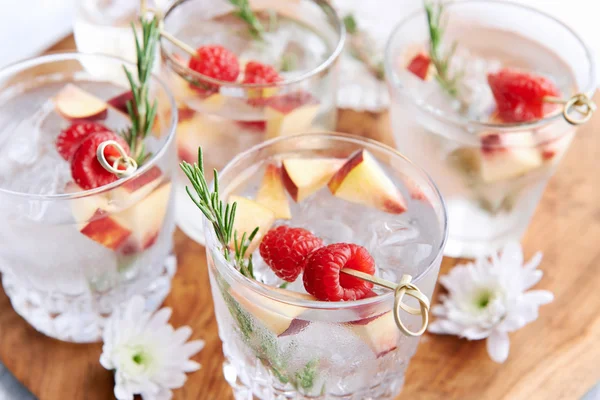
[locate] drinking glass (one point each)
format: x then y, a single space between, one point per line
70 256
283 343
491 174
305 33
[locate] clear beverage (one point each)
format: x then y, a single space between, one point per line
70 256
302 41
491 174
283 343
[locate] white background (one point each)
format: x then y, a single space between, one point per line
27 27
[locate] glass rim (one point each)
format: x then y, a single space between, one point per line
265 290
341 30
396 84
24 64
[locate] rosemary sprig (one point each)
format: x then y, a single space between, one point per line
141 111
440 62
363 48
219 214
244 11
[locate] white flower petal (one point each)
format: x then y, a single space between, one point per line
191 366
511 254
534 261
121 393
475 333
191 348
498 346
488 298
163 394
538 297
149 356
182 334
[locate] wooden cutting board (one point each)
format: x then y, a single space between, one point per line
556 357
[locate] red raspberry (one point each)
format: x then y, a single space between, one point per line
86 170
216 62
520 96
322 277
69 139
285 249
257 73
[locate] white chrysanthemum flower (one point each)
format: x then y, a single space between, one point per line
489 299
149 357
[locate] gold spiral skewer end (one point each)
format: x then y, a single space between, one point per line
403 288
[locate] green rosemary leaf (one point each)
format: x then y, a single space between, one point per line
244 12
350 24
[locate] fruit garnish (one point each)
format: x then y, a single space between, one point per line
253 126
323 279
419 65
508 155
76 104
278 317
361 180
520 95
86 170
380 333
271 193
119 102
106 230
304 176
216 62
258 73
145 219
250 217
441 62
285 249
69 139
290 113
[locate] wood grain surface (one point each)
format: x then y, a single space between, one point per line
556 357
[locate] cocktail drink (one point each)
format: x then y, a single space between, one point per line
477 108
246 84
292 324
77 240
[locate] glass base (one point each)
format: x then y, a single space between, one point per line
188 216
74 318
255 388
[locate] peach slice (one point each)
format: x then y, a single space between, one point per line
290 114
76 104
84 208
95 222
304 176
414 190
271 193
136 189
198 131
103 228
508 156
379 332
119 102
249 215
362 180
421 66
145 219
278 317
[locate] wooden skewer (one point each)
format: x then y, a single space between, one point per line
183 46
401 289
